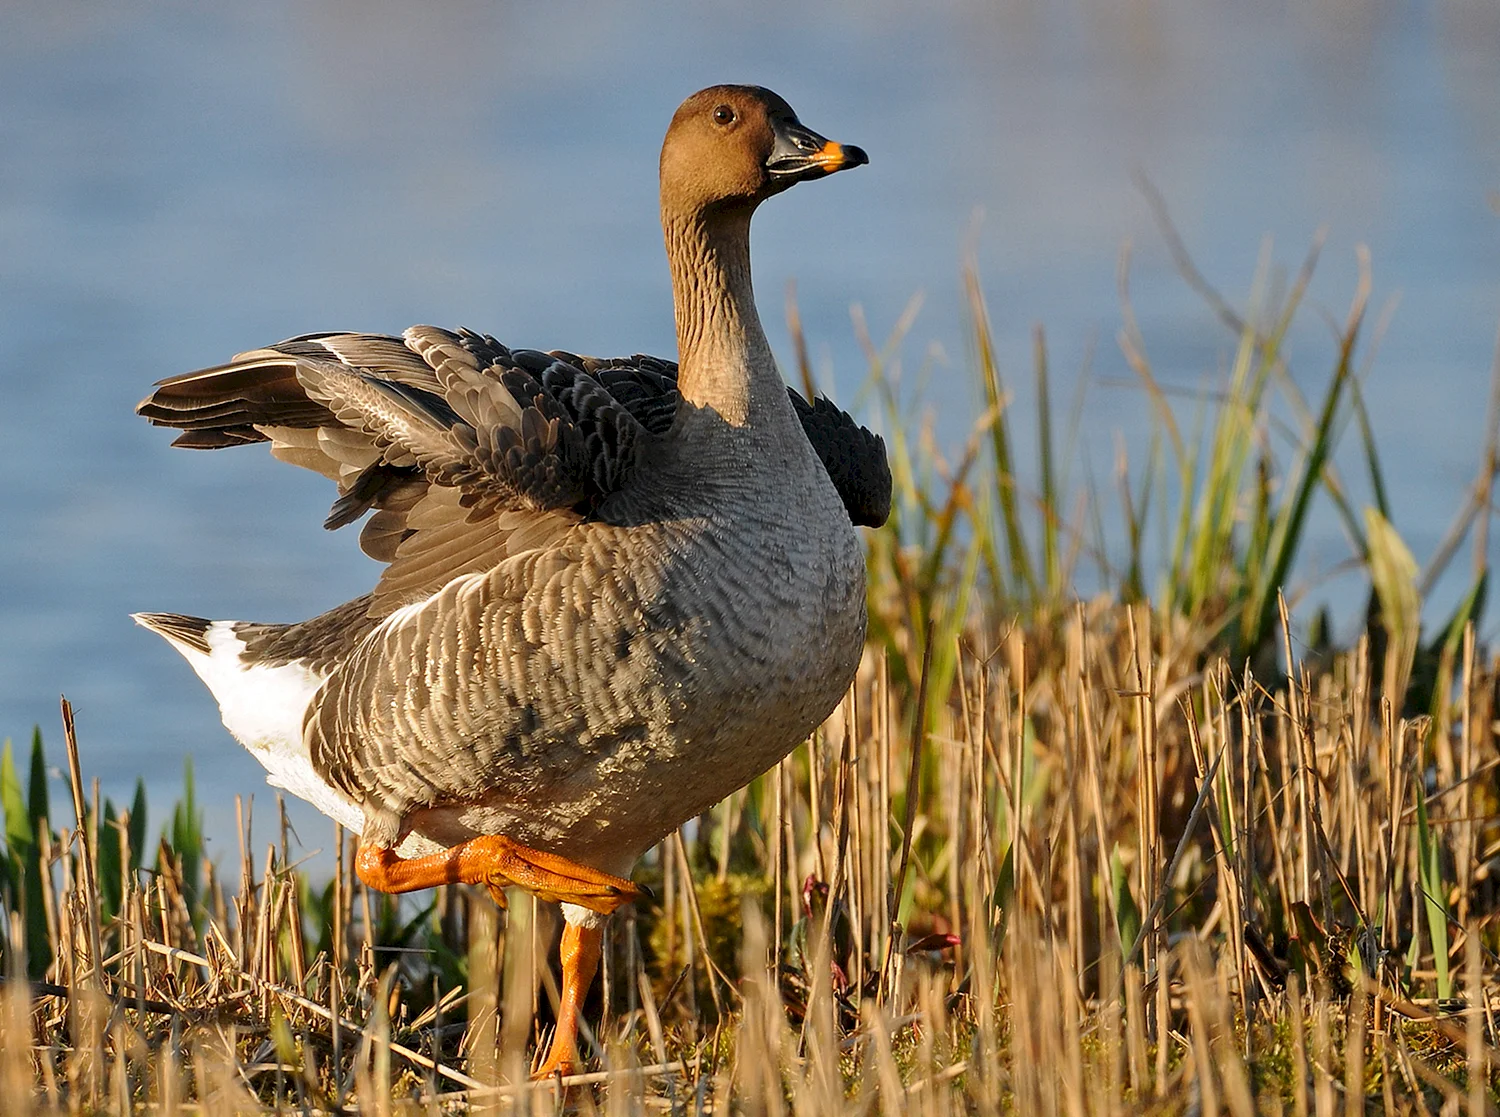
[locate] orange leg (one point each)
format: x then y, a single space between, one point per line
580 960
496 862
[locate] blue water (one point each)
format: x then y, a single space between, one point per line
181 181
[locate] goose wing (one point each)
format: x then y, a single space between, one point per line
465 451
853 455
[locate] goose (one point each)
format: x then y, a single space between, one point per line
615 591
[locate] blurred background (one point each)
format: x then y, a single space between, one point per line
182 181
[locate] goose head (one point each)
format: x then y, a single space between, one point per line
733 146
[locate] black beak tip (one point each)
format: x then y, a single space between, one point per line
855 156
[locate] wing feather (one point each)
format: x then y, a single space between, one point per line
463 451
854 457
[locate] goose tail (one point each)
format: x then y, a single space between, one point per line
263 703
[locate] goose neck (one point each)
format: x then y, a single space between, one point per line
725 360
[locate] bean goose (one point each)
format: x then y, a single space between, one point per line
615 591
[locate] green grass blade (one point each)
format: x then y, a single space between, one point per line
1128 918
1393 571
18 833
1000 443
1434 892
1367 443
185 840
25 816
109 836
135 834
1286 536
1052 515
1470 609
37 805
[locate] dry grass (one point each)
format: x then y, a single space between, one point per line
1173 889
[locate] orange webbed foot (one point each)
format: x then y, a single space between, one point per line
497 862
547 876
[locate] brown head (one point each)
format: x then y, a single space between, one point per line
736 145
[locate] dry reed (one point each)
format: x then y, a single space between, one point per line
1130 885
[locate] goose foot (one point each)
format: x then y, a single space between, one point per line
497 862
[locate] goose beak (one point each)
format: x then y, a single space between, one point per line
800 154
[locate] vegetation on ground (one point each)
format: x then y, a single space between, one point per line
1157 851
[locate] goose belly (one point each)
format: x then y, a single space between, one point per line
716 665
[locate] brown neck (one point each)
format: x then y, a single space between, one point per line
725 360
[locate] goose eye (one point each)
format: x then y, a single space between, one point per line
724 115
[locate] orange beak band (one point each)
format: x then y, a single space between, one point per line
799 153
833 156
